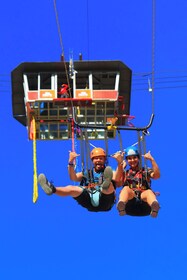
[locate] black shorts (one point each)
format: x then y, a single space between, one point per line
106 201
137 207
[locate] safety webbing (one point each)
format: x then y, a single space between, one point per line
106 145
72 136
139 148
82 150
120 140
144 148
87 152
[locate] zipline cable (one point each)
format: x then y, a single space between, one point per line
62 46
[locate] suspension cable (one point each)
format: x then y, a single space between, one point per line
62 46
58 26
88 37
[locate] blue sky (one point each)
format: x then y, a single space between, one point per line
55 238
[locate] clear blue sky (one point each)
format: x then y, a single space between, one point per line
55 238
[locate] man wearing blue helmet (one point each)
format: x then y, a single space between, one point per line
137 198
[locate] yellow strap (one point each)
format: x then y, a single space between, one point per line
35 186
112 126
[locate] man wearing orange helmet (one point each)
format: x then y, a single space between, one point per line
96 191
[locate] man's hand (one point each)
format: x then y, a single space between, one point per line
119 157
72 156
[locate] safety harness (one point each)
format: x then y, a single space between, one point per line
138 181
92 181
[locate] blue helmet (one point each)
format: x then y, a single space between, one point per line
131 151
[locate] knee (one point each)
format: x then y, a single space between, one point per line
71 188
147 194
128 191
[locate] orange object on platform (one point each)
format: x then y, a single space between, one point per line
105 94
83 93
47 94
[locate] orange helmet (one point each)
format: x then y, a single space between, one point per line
97 152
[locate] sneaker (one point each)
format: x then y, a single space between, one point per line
107 175
154 209
46 185
121 208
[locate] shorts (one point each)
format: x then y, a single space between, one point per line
106 201
137 207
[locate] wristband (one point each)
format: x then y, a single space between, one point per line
70 164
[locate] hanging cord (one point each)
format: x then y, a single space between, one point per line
144 152
120 140
62 47
73 136
87 151
144 147
82 149
35 186
58 26
140 148
66 72
106 146
88 38
140 138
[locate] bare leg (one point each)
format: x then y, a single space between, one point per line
73 191
149 197
125 195
50 189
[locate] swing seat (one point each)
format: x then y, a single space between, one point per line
95 196
137 207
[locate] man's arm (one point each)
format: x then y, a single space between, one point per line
77 177
118 176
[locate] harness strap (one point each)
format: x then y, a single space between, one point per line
138 192
120 140
35 186
141 178
106 145
92 189
140 189
82 149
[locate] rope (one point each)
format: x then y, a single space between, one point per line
62 46
82 150
139 148
66 72
144 149
72 136
120 140
87 150
88 33
35 186
58 26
